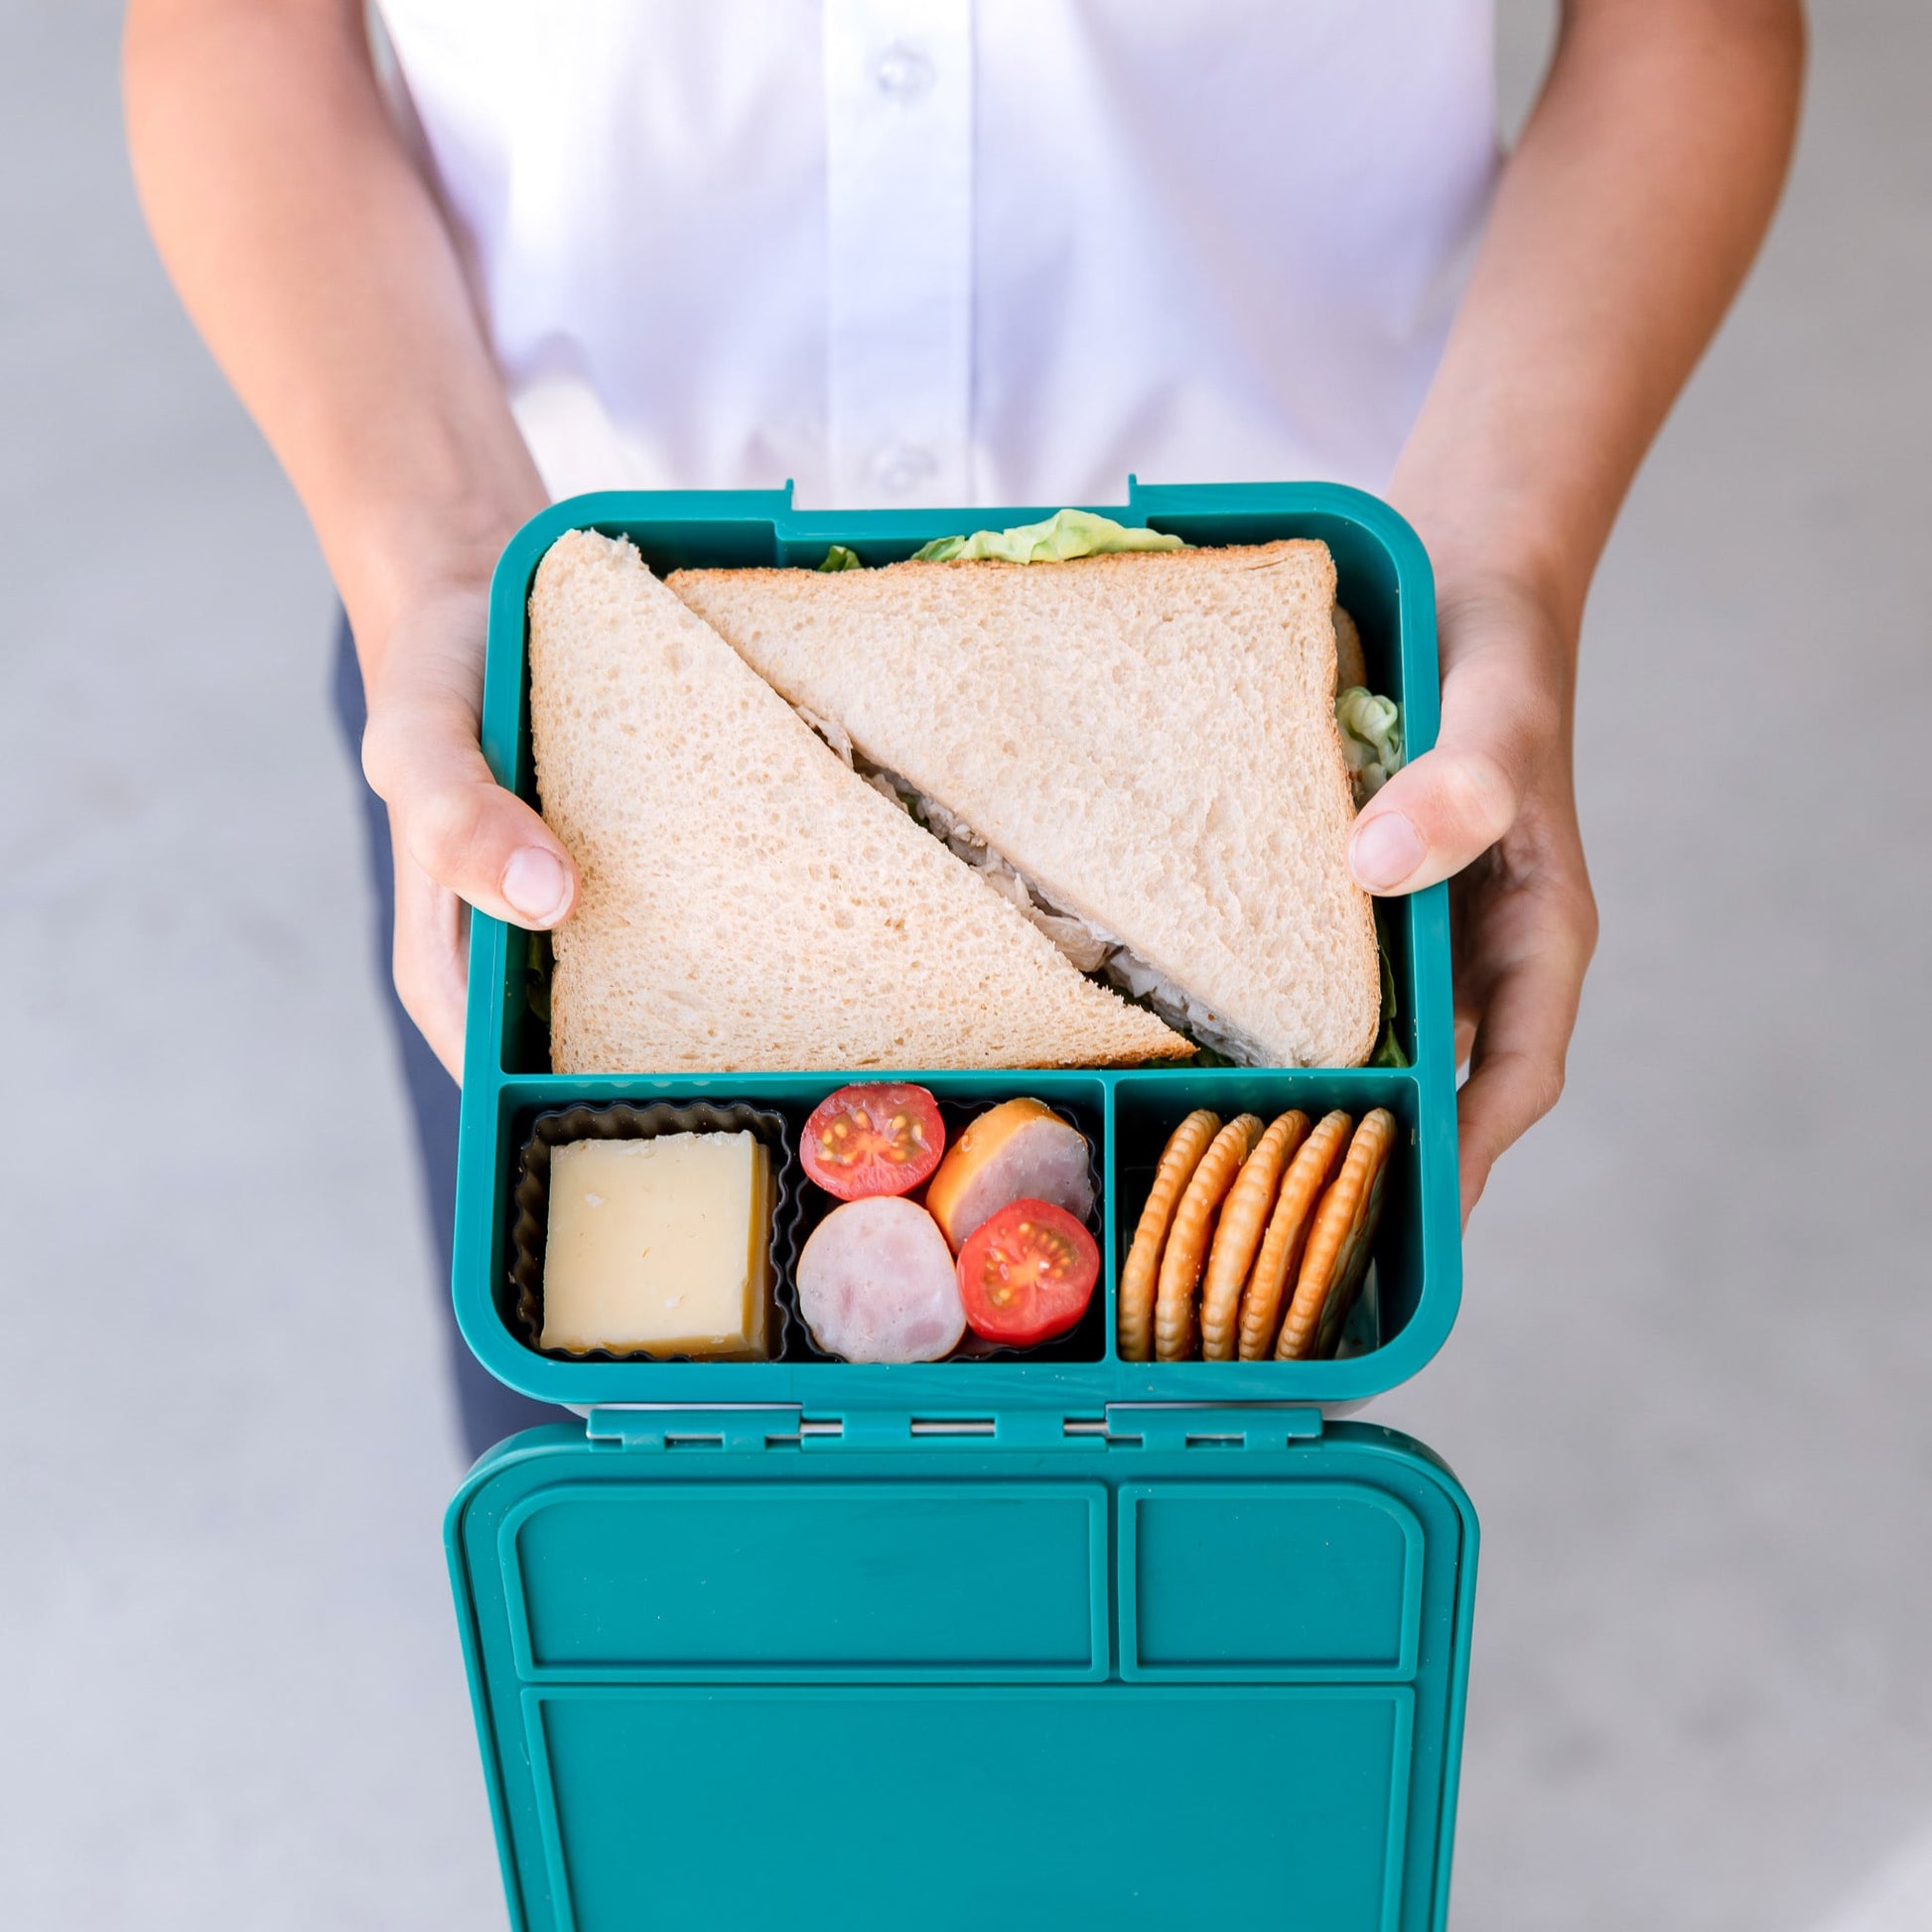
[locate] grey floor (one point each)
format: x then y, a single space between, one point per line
1692 1385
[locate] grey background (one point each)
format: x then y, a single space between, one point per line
1689 1388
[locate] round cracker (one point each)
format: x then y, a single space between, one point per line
1238 1237
1314 1167
1337 1256
1135 1298
1187 1240
1351 1271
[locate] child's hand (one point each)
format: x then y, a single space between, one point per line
1493 803
459 836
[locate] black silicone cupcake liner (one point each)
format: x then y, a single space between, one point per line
1085 1341
619 1121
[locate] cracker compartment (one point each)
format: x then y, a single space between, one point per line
1149 1108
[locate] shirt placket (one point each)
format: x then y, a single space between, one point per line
899 114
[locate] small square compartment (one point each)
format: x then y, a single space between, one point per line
1268 1582
1080 1099
542 1134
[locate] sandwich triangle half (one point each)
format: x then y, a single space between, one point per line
748 902
1145 744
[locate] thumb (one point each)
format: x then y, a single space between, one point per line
456 822
1448 807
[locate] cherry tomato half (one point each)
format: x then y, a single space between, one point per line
1027 1273
880 1139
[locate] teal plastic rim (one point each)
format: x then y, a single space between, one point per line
1386 583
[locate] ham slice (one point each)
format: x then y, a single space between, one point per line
876 1284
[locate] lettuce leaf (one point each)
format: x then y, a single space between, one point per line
1388 1048
839 558
1371 738
1063 535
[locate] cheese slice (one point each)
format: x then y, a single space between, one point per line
662 1246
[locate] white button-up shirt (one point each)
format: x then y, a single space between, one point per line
959 251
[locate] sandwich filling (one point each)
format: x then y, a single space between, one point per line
1086 945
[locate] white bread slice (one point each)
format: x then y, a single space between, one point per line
748 902
1150 740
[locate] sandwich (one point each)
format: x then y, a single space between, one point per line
747 901
1140 751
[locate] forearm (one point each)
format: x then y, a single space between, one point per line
317 267
1623 224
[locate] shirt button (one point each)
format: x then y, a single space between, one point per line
902 74
900 467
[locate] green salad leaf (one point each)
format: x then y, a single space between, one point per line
839 558
1063 535
1371 738
1388 1048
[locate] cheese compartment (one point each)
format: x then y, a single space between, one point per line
674 1244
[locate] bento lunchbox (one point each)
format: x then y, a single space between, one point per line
1023 1639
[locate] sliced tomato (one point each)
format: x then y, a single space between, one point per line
1027 1273
885 1138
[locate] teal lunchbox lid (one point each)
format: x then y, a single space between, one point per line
838 1685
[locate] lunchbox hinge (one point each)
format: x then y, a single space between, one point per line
888 1428
744 1426
1211 1426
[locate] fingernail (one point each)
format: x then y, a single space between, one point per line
1385 851
536 886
